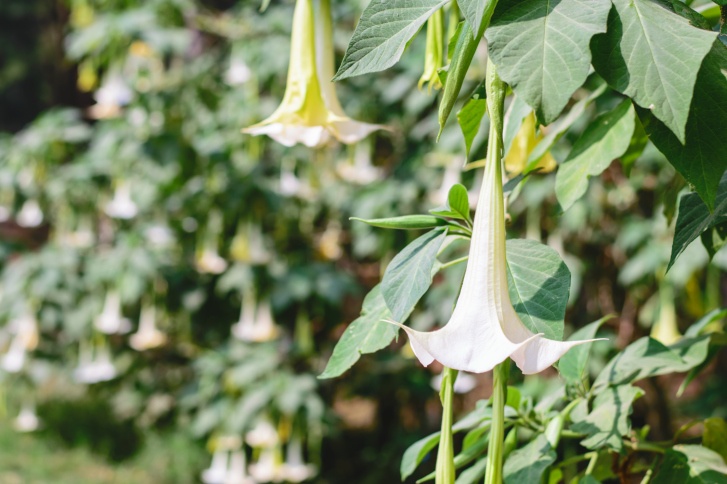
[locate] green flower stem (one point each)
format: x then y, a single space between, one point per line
444 472
493 474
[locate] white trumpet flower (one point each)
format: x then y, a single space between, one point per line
217 471
14 360
464 383
294 468
237 469
30 214
211 262
94 368
484 328
25 329
27 420
111 321
256 322
263 435
148 336
268 467
121 206
310 112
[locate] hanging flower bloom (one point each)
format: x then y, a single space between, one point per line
434 52
111 321
30 214
484 328
294 468
25 339
113 94
262 435
94 368
665 328
237 72
14 359
310 112
524 143
209 260
248 245
148 336
27 420
361 171
217 471
237 469
268 467
121 206
256 324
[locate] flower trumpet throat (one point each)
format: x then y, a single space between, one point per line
484 328
310 112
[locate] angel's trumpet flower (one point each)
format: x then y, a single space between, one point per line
27 420
111 321
121 206
484 328
148 336
294 468
256 322
217 471
310 112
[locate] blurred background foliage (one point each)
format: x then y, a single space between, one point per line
141 232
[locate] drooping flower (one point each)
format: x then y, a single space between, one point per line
237 72
263 435
113 94
121 206
249 245
361 171
111 321
310 112
237 469
94 364
148 335
25 339
209 260
434 52
269 466
30 214
256 323
27 420
484 328
523 144
294 468
665 328
217 471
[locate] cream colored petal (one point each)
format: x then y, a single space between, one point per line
348 131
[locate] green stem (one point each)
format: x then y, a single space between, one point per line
444 472
493 474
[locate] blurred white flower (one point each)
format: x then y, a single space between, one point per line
256 324
30 214
464 383
217 471
361 171
248 245
237 72
94 368
294 468
121 206
25 330
237 470
27 420
268 467
484 328
148 336
263 435
452 176
210 262
111 321
113 94
159 235
329 243
310 112
14 359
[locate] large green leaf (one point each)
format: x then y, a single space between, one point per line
528 463
539 283
647 357
477 12
382 34
653 56
572 365
470 117
715 436
694 218
691 464
541 48
414 454
703 157
366 334
604 140
609 419
409 274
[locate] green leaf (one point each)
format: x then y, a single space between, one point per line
470 116
405 222
539 284
715 436
409 274
477 13
366 334
382 34
604 140
473 474
702 158
691 464
609 419
647 357
558 129
694 219
653 56
541 48
415 453
528 463
458 205
572 365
